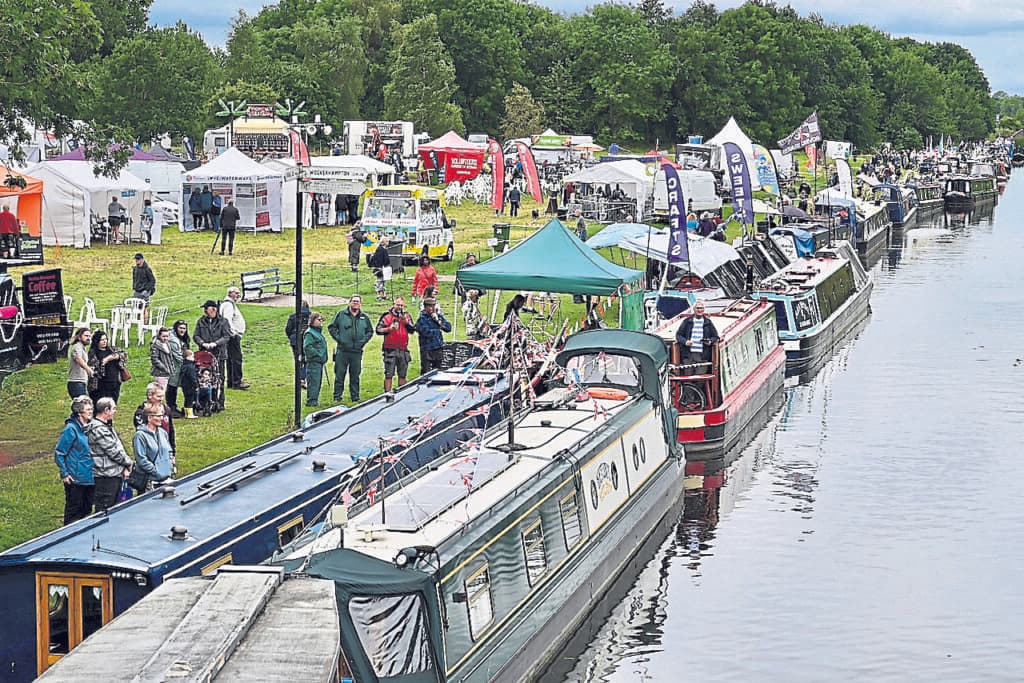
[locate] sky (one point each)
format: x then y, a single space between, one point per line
993 30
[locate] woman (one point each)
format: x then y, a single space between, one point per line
153 453
107 363
74 460
155 399
147 220
161 358
314 348
515 306
179 341
426 276
79 372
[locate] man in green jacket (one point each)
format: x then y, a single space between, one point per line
351 328
314 350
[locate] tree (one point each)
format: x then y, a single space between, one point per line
422 85
523 114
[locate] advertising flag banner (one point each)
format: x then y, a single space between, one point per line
812 156
299 151
529 171
845 177
807 133
767 176
497 174
678 245
739 182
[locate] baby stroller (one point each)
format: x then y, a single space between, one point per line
208 372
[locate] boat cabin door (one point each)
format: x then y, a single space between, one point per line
69 608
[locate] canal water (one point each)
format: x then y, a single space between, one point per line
874 528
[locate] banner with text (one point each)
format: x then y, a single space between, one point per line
529 171
808 133
767 176
739 182
678 245
497 174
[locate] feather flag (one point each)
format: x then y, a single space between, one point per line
497 174
529 171
739 182
678 245
767 175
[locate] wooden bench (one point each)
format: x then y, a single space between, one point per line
262 280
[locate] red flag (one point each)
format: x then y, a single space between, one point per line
812 156
299 151
497 174
529 171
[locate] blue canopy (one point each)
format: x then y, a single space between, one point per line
803 239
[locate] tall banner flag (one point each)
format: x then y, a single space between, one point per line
678 244
497 174
807 133
299 151
812 157
767 175
739 181
845 177
530 171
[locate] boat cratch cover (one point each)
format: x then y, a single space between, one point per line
390 621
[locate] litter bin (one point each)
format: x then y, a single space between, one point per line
395 256
502 236
432 176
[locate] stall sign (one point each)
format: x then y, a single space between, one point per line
30 248
45 343
42 294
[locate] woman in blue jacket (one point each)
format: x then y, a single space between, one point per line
152 448
74 460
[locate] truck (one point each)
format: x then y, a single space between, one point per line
358 136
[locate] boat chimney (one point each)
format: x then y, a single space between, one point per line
179 533
319 465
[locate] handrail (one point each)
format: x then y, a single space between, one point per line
232 484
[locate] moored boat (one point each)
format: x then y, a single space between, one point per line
817 300
481 568
963 192
929 196
747 368
901 203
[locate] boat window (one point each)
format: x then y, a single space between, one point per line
60 620
781 316
604 369
571 527
478 600
533 551
805 312
393 632
289 531
72 607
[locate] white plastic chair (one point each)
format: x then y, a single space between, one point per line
68 301
157 319
136 315
119 325
87 316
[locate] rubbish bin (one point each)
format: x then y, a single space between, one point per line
395 256
502 236
432 176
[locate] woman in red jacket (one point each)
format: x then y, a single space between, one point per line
426 276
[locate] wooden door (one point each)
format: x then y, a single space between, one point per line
69 608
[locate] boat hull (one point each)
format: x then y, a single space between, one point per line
870 249
807 351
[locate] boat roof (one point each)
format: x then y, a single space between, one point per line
802 275
730 317
438 506
136 535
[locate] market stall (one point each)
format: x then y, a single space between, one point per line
613 191
26 202
453 157
256 189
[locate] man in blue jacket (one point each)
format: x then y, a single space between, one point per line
431 327
74 460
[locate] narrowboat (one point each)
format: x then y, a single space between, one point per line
963 192
64 585
869 222
817 300
929 197
747 369
481 567
901 202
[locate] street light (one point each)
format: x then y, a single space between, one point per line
299 129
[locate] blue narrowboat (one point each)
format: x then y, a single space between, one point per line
480 567
817 301
901 203
62 586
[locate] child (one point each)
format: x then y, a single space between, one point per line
204 396
189 382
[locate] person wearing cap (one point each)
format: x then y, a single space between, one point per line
351 329
431 327
314 349
696 335
212 333
355 239
229 311
143 279
74 460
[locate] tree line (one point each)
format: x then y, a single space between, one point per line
623 72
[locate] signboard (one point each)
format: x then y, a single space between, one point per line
392 193
30 248
260 111
45 343
42 295
334 181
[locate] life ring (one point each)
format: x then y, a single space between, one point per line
608 393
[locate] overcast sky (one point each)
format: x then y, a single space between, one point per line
993 30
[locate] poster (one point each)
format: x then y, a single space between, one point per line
42 294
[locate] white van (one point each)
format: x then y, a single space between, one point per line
699 190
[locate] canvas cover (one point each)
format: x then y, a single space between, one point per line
629 174
613 234
257 190
551 260
706 254
459 159
731 132
26 204
72 193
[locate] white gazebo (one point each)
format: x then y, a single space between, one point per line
257 190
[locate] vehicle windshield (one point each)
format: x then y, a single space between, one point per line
382 209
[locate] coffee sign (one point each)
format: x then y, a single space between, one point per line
42 294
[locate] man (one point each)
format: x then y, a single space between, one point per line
212 333
215 210
114 213
378 261
476 326
355 244
314 349
514 197
460 289
431 327
229 218
9 230
294 329
696 335
351 329
396 325
206 205
340 209
581 226
110 463
75 461
143 279
236 323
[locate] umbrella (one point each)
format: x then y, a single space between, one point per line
794 211
588 148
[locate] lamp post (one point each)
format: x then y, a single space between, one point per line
300 186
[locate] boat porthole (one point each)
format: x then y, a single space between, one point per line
636 458
615 477
593 493
643 450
